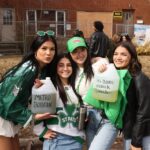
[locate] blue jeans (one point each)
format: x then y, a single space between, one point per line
145 143
92 126
105 136
62 142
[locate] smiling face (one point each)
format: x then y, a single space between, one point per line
64 70
121 58
45 53
79 56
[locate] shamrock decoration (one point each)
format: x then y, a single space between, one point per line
70 116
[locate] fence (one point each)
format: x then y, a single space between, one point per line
122 28
12 37
16 38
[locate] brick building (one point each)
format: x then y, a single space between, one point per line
63 16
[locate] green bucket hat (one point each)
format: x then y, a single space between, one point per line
75 42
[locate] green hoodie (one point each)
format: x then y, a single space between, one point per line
114 111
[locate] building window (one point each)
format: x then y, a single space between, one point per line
60 16
31 21
31 16
7 17
128 17
61 21
47 20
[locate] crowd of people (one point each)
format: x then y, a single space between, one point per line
72 73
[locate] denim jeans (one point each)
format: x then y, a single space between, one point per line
92 126
145 143
105 136
62 142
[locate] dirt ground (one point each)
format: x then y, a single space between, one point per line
8 61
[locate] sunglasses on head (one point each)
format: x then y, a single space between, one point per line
43 33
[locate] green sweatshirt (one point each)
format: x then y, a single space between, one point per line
114 111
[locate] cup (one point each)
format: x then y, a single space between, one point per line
82 117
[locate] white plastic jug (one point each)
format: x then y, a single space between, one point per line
44 97
106 84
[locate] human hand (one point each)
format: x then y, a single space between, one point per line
50 134
95 59
38 83
102 67
135 148
44 116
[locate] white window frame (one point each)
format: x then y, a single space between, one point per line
35 18
7 20
64 22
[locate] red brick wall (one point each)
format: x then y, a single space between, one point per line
141 6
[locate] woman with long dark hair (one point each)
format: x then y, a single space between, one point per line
16 84
84 73
61 131
132 111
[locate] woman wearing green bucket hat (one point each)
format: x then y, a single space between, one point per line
84 69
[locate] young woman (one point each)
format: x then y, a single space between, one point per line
136 117
79 53
62 132
136 120
16 84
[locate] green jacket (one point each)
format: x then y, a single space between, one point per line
15 92
114 111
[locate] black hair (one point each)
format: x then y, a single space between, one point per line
127 37
30 56
99 26
87 66
58 83
134 65
78 33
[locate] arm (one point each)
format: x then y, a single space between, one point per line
142 83
92 44
100 65
44 116
135 148
95 59
15 92
40 128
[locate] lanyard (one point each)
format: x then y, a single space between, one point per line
68 96
81 77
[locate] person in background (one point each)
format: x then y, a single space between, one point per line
16 84
99 42
78 33
125 37
116 38
61 132
114 41
79 53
